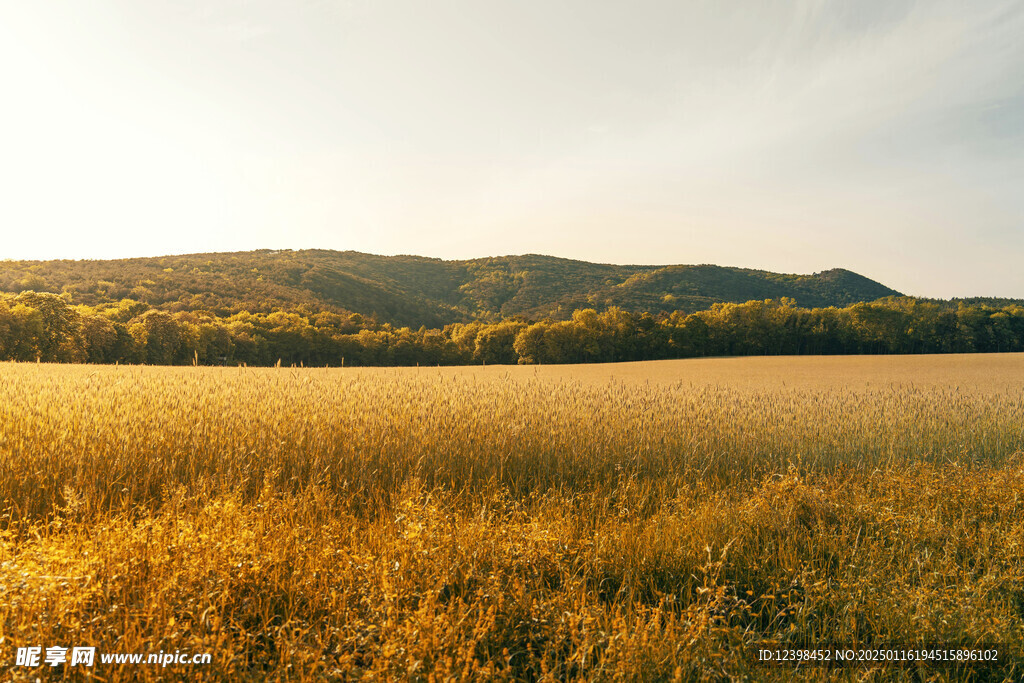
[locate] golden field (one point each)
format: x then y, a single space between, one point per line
628 522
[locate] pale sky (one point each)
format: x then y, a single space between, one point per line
885 137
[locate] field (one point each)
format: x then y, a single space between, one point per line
633 522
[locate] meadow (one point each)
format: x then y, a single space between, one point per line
655 521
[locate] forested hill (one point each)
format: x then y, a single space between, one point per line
415 291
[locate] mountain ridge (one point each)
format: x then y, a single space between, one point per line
417 290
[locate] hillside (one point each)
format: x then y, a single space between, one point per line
414 291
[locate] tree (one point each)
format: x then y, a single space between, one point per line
99 338
495 344
54 327
529 343
158 334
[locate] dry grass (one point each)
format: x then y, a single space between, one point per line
625 522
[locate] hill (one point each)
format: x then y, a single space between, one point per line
415 291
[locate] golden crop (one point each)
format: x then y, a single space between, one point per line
628 522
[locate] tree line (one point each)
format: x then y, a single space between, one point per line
39 326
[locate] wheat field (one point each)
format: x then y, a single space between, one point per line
628 522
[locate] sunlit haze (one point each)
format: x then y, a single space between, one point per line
884 137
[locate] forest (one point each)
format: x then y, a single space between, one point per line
47 327
414 291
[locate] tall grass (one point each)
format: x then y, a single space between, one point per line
325 524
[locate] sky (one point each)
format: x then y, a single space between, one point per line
886 137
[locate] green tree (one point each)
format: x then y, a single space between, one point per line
495 344
159 336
